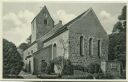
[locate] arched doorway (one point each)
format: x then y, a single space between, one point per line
54 51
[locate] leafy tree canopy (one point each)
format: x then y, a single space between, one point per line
23 46
123 14
12 61
117 41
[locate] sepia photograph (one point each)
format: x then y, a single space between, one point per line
64 40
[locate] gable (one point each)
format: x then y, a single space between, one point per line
88 24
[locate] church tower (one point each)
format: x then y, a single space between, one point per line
41 24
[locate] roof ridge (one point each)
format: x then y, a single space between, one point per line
64 26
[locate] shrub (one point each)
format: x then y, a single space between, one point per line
68 68
50 68
89 76
99 76
94 68
104 76
108 76
80 68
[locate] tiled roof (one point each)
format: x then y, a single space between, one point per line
57 30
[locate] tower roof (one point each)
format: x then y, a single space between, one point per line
44 8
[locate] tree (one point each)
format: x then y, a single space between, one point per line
117 27
23 46
123 14
117 41
12 61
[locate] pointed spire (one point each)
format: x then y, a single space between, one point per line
44 6
91 9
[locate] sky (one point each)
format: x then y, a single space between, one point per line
17 16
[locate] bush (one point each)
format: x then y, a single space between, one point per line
89 76
104 76
94 68
68 68
50 68
80 68
99 76
108 76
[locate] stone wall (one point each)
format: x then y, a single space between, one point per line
42 28
27 53
39 28
44 54
87 26
33 30
59 41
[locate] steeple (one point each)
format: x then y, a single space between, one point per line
42 23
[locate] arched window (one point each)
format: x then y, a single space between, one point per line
54 51
29 68
81 45
99 48
90 46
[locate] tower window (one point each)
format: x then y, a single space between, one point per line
81 45
45 21
45 15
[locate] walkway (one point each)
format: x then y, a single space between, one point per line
27 75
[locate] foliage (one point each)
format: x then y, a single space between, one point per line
50 68
108 76
94 68
12 61
23 46
117 41
123 14
58 60
117 45
118 26
89 76
68 68
86 76
80 68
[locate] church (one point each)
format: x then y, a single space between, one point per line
82 40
